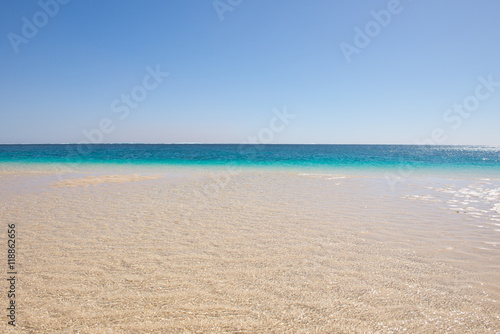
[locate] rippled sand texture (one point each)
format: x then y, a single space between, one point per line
95 180
258 252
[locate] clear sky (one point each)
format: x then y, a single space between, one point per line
387 72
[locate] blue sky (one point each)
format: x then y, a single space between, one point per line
232 64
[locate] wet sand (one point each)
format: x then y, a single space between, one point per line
252 252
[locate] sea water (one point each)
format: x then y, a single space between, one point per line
464 160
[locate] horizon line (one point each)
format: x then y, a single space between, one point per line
200 143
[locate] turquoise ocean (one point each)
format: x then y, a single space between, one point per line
464 160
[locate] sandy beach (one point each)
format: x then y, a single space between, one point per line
256 252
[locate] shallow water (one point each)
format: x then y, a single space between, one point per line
253 250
